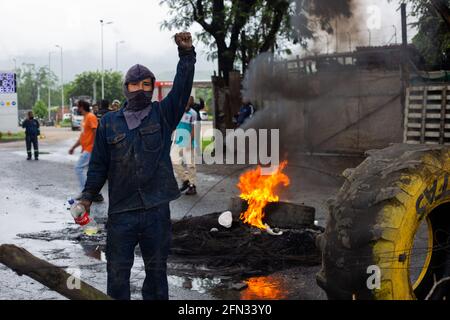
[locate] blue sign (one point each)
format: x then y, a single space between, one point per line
8 82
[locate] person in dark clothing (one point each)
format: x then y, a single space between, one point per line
32 131
132 152
247 110
197 107
103 109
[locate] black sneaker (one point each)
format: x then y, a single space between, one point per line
29 158
184 186
192 190
98 198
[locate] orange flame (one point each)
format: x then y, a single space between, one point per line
265 288
259 190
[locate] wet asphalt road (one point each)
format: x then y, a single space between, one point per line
33 196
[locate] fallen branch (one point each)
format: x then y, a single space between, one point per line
51 276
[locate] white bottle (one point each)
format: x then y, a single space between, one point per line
81 217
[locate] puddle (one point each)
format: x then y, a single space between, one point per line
221 283
95 251
201 285
271 287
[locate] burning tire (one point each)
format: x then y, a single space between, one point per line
388 232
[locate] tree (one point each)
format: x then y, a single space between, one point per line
40 110
83 85
33 85
244 28
433 36
207 95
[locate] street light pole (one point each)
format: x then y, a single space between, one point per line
49 90
117 53
395 32
349 41
94 89
62 80
102 23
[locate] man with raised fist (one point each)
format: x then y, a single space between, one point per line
132 152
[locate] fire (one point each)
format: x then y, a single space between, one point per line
265 288
258 190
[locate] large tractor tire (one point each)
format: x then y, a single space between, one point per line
393 210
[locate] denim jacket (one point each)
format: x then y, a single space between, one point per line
31 127
137 162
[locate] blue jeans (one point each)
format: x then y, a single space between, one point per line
82 166
151 229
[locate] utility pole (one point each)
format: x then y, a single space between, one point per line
103 73
404 67
349 41
49 89
395 33
337 36
62 81
117 53
328 45
94 93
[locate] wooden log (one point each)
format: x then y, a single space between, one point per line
55 278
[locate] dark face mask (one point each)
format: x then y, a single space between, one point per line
139 100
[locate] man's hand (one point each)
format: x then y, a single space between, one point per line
183 40
87 205
71 150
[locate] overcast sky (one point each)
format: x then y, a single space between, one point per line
32 28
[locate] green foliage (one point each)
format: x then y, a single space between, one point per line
207 95
40 110
239 30
67 123
32 80
9 136
433 36
83 85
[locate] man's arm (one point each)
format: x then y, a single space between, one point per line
173 106
98 167
76 145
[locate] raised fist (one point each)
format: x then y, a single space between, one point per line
183 40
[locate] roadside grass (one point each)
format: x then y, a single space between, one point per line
65 123
9 136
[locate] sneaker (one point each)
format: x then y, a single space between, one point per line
184 186
29 158
36 158
192 190
98 198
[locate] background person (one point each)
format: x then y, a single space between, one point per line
86 141
115 106
32 131
182 153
